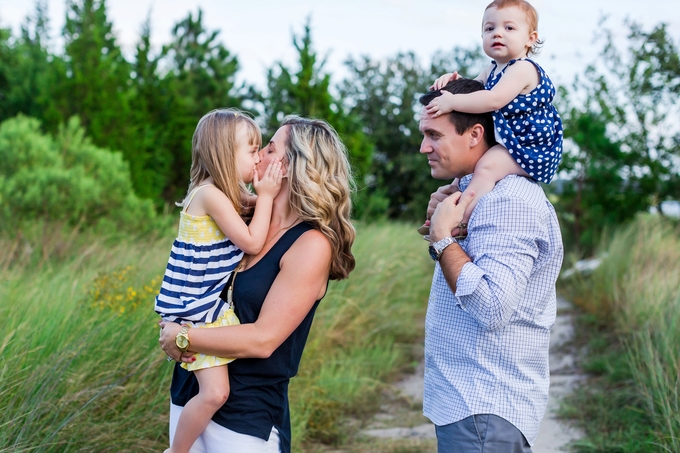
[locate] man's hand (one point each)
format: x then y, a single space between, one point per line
440 195
449 214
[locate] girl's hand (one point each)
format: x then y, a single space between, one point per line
440 105
270 184
169 331
443 80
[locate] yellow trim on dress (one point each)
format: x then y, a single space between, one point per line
198 229
208 361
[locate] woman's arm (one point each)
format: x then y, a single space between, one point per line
517 78
301 282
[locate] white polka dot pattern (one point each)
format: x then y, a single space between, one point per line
530 127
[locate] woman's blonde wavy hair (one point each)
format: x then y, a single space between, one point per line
213 149
321 184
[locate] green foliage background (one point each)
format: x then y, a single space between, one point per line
622 153
95 148
86 366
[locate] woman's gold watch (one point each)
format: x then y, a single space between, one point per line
182 338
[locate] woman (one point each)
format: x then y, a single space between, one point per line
275 294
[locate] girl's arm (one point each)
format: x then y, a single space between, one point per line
249 238
301 282
518 78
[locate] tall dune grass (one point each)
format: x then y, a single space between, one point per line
636 290
77 375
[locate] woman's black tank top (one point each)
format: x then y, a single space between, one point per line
258 398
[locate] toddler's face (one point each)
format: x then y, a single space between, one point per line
506 34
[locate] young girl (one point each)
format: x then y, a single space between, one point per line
211 241
528 128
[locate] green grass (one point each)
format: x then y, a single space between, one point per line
80 374
633 328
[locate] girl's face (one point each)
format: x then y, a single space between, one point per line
506 34
246 155
274 151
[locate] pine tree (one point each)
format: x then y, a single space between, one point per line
305 91
97 87
201 77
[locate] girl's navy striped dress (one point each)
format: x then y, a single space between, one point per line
201 261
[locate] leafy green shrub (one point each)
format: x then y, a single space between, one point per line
65 179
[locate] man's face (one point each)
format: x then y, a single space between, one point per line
448 153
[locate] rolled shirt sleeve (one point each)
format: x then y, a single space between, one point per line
504 248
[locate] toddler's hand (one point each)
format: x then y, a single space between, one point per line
440 105
270 184
443 80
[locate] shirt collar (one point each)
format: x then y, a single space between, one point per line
464 181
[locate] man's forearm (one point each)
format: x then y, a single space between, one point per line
452 261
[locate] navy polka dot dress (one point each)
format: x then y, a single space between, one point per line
530 127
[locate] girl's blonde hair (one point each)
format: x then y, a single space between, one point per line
213 152
321 184
532 19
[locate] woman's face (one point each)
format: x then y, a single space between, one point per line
274 151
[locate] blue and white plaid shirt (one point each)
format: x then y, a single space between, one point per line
486 347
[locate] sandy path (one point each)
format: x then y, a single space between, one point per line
400 415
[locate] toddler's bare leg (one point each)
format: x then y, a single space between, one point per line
494 165
213 393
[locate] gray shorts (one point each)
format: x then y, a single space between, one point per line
481 433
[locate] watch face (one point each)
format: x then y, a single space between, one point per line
433 253
182 342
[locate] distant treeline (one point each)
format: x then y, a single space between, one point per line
621 116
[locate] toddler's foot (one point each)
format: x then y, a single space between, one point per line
425 229
460 232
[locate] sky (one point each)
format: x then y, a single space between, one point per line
259 31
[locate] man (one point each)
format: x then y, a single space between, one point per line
492 301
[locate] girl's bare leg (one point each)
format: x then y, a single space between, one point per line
213 393
494 165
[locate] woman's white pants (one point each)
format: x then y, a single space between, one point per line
218 439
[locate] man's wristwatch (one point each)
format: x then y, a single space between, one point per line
182 339
437 248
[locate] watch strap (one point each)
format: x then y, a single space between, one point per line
437 248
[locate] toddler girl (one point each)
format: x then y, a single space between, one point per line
211 241
528 128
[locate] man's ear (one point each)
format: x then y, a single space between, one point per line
476 135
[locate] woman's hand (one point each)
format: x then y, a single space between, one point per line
270 184
169 331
